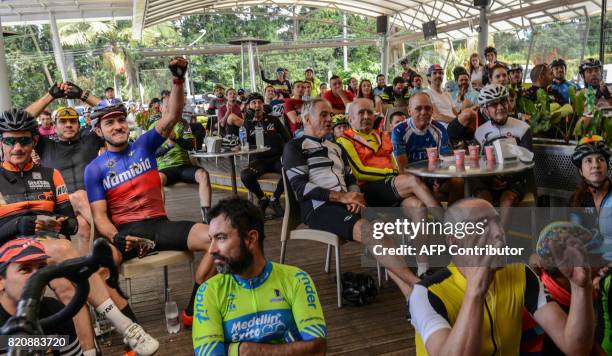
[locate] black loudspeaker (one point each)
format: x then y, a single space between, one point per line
430 30
481 3
381 24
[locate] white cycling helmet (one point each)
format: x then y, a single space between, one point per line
491 93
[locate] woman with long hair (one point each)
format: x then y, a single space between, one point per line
365 91
475 69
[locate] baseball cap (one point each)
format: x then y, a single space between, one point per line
432 68
21 250
280 69
309 69
241 91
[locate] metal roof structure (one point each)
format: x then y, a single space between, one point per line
25 12
454 18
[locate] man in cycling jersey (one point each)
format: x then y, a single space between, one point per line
559 83
591 72
70 153
369 155
34 200
494 105
321 178
124 188
254 306
475 305
412 137
174 163
20 258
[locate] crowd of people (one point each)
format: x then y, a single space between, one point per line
342 149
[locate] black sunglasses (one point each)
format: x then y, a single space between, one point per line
12 141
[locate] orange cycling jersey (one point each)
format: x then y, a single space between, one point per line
32 191
369 154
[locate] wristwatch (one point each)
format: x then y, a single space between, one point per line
178 81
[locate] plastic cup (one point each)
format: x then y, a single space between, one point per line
459 157
474 151
432 154
490 153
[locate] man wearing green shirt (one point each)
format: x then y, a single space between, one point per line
175 166
254 306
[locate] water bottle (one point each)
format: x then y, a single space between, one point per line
244 142
259 137
172 314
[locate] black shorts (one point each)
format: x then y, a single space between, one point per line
381 193
516 184
185 173
168 235
334 218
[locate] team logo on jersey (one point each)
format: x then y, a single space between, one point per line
114 179
36 175
277 297
258 326
110 163
61 190
311 294
39 184
230 302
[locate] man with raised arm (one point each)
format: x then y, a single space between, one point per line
124 188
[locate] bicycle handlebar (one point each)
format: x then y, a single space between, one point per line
78 270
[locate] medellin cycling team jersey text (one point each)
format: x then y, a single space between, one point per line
128 181
279 306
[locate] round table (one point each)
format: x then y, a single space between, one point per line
445 168
200 155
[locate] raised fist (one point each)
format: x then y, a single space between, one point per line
74 92
178 67
56 92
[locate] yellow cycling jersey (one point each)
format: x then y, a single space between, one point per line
435 304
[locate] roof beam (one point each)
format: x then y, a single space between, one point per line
276 46
138 16
492 18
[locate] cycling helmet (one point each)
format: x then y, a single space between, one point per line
515 67
491 93
254 96
100 113
589 146
559 62
17 120
339 119
64 113
358 288
589 63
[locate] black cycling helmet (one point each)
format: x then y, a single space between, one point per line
17 120
588 147
559 62
589 63
100 113
254 96
358 288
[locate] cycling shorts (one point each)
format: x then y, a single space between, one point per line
185 173
381 193
334 218
168 235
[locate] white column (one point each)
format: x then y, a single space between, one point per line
345 38
252 68
483 34
58 52
384 54
5 89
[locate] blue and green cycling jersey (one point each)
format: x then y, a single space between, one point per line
279 306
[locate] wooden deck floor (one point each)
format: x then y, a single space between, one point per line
376 329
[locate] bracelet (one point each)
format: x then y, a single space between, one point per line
85 96
178 81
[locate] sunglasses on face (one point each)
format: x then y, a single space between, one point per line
12 141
